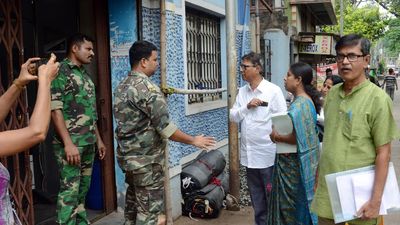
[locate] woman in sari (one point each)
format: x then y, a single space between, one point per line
294 173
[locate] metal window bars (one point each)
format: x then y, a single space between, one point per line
203 55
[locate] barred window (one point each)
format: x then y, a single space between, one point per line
203 55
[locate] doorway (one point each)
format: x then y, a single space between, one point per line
46 24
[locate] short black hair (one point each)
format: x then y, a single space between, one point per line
391 71
77 39
254 58
140 50
328 70
351 40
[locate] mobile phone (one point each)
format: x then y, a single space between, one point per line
35 65
264 104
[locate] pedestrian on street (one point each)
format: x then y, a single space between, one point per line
143 127
359 128
254 105
390 81
74 115
294 173
15 141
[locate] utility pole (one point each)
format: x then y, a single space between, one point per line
234 183
341 17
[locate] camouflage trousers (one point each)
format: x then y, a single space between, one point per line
74 185
144 200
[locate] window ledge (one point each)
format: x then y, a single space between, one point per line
206 106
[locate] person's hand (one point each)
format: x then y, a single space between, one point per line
49 71
273 135
369 210
203 142
26 75
102 149
255 102
72 154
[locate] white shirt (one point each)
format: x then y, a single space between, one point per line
256 148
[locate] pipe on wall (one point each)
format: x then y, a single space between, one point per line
163 67
231 58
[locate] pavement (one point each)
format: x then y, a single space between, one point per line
245 215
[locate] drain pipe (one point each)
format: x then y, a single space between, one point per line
163 67
258 50
234 184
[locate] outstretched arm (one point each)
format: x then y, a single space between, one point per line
15 141
199 141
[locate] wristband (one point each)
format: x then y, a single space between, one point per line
18 84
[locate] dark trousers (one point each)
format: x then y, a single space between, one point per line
390 92
259 182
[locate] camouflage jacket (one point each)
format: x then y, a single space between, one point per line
74 93
143 123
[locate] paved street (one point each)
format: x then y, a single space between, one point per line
394 219
244 217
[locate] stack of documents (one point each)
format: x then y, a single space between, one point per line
350 190
283 125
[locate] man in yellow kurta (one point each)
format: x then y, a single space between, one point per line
359 128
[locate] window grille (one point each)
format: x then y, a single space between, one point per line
203 55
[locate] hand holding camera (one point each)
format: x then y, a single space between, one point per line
37 67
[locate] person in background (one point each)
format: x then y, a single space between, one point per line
74 116
254 105
371 75
15 141
143 128
328 72
294 173
389 83
329 82
359 128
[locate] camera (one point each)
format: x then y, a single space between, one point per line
264 104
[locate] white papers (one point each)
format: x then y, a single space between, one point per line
350 190
283 125
346 196
362 187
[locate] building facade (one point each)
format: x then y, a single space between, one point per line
195 59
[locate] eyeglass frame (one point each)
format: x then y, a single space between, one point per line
244 66
349 59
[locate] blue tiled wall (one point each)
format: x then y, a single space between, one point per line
214 122
240 53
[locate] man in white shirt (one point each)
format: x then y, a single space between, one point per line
254 105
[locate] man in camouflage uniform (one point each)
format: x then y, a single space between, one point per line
143 127
74 115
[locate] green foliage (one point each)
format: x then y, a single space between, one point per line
381 67
391 41
366 21
393 6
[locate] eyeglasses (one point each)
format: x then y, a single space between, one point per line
350 57
244 66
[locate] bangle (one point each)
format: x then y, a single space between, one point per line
18 84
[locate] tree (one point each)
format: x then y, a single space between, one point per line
392 6
366 21
391 41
